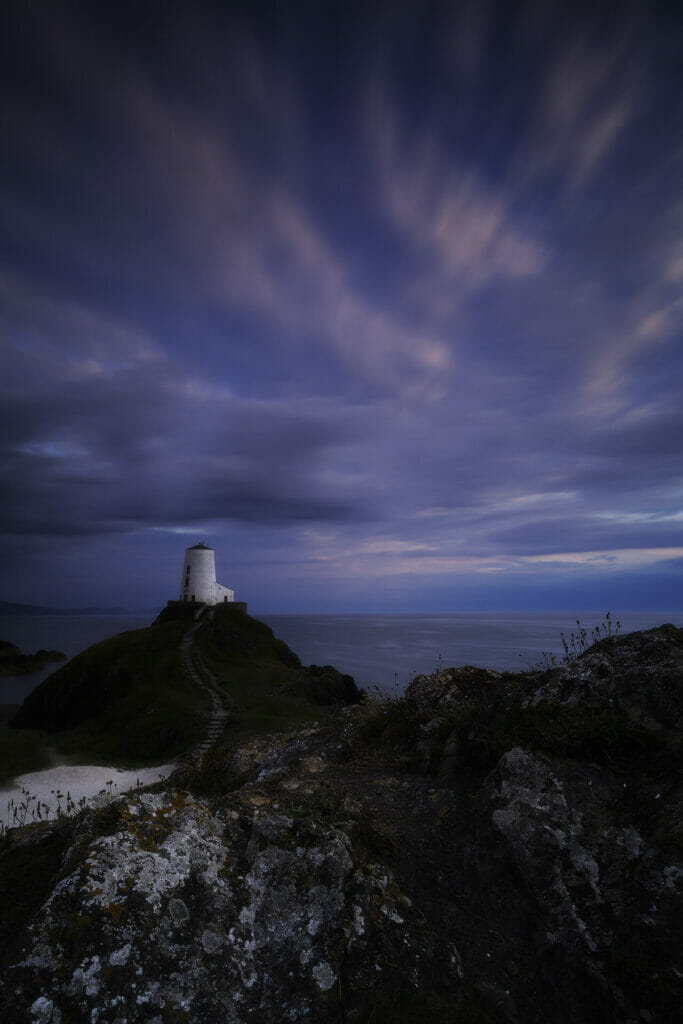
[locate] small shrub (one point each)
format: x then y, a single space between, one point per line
578 643
586 731
385 717
21 751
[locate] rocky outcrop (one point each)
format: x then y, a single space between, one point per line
324 685
14 663
246 908
465 854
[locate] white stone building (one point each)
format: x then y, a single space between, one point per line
199 577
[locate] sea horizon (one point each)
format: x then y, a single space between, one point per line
382 650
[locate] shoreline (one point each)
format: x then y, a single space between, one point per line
67 789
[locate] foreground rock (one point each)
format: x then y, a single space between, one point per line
491 848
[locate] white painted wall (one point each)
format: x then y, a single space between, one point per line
198 582
223 594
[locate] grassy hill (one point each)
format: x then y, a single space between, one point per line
124 701
129 701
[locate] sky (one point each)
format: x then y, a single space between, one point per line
382 301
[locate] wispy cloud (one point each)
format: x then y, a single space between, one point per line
251 243
468 30
52 334
463 234
589 96
369 316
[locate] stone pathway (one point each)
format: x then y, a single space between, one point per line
201 675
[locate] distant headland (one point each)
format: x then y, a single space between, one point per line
14 663
13 608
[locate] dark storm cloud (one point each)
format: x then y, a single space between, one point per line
149 446
103 432
381 292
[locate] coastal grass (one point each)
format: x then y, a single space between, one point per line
257 672
492 720
264 701
581 731
128 701
22 751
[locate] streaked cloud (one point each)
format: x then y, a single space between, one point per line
588 96
462 232
354 309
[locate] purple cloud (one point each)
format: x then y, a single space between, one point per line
359 307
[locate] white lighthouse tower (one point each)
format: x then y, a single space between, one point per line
199 577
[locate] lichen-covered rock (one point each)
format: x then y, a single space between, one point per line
604 897
448 689
640 672
545 838
488 848
183 913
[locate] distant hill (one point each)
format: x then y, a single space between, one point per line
12 608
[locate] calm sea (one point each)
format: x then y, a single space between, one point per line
378 650
68 633
388 650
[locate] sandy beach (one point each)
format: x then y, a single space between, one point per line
89 783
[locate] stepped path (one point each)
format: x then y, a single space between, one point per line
202 676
